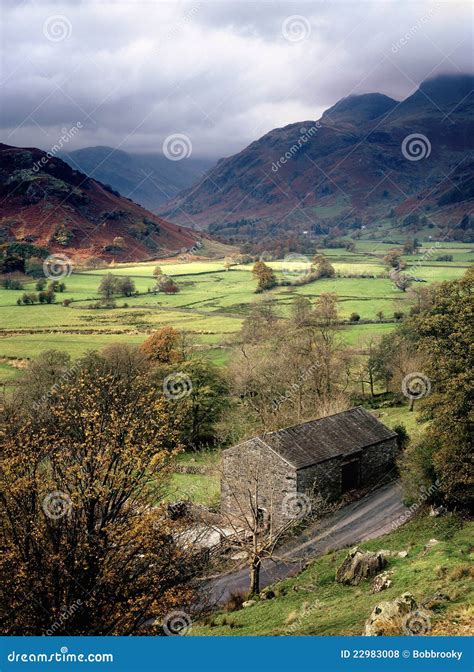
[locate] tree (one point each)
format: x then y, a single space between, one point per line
393 259
355 317
157 271
205 403
108 287
167 285
162 346
401 280
256 521
324 268
79 524
126 286
259 322
444 334
264 275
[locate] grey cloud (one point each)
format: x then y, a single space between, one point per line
221 72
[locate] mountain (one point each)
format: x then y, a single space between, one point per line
149 179
46 202
355 167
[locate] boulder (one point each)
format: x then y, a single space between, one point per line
359 565
381 582
430 544
249 603
387 618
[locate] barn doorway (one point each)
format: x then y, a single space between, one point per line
350 475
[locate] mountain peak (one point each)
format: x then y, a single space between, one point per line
356 108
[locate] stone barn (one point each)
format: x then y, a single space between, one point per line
272 473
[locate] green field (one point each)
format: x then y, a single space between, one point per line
312 603
211 304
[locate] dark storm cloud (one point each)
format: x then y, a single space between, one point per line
221 72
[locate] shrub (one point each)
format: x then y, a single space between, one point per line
234 603
355 317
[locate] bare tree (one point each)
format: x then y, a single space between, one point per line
260 516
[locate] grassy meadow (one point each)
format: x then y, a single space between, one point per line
211 304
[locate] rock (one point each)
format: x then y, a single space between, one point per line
394 554
431 543
436 511
387 617
360 565
381 582
435 600
249 603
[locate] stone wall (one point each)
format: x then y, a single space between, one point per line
252 467
324 478
378 460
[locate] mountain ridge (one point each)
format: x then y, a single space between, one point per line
46 202
350 172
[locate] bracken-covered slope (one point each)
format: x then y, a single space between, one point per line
347 169
45 201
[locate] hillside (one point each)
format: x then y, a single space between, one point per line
149 179
312 603
347 170
46 202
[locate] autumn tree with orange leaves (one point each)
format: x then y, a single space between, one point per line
84 547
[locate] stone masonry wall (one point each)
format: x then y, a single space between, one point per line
241 467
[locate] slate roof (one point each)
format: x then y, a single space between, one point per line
319 440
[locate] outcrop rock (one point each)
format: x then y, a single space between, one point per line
387 618
381 582
359 565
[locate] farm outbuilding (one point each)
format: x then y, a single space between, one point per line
326 457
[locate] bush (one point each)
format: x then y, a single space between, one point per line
355 317
402 436
234 603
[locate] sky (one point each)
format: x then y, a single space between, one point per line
133 74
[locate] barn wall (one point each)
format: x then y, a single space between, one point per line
323 478
377 461
277 480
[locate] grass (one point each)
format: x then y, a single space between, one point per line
312 603
211 304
